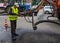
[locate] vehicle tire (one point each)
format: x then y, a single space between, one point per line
7 9
47 12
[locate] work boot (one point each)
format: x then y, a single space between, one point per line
13 37
15 34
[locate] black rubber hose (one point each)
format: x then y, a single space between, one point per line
49 21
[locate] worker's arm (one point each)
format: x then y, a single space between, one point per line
10 11
19 13
18 10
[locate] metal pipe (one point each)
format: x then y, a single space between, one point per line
33 24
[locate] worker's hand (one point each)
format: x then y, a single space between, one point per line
19 14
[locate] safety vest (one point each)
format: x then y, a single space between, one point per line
13 17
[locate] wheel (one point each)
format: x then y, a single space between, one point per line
47 12
7 9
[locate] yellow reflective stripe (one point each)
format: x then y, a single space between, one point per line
12 17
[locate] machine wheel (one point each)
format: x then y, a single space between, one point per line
7 9
47 12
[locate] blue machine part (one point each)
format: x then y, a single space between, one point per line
27 7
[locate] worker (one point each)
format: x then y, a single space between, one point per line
13 16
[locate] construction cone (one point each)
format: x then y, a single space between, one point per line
6 24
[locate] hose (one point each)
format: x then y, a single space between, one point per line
49 21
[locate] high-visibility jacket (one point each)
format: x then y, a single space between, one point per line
15 11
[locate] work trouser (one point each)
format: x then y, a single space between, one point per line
13 26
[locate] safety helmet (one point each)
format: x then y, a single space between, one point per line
16 4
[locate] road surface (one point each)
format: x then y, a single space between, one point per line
25 27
